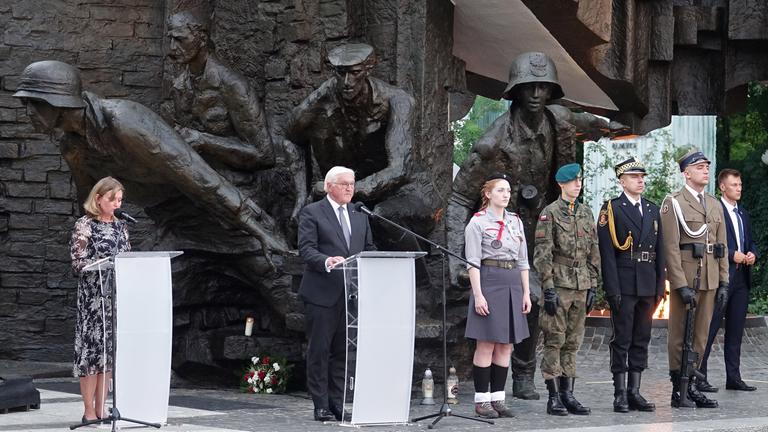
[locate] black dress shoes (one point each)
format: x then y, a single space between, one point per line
322 414
339 413
739 385
706 387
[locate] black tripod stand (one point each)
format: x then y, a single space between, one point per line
114 413
445 408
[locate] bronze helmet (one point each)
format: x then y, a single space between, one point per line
52 81
533 67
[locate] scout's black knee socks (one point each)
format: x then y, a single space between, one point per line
482 376
498 381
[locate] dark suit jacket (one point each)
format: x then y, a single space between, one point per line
730 234
320 237
621 274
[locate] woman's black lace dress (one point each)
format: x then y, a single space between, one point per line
93 240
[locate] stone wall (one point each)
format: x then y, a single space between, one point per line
117 44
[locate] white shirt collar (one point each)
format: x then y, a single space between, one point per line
335 205
728 205
633 202
693 191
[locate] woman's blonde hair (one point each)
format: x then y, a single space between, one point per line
487 188
108 186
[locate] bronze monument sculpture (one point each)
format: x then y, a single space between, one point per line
361 122
212 106
114 136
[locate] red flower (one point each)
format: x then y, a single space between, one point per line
262 374
274 380
265 361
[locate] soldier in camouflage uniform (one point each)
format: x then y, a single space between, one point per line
567 258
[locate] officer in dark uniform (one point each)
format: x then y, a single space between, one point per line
632 263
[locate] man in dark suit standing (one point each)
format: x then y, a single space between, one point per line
329 231
742 253
629 231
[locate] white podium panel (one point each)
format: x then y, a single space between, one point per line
381 322
144 321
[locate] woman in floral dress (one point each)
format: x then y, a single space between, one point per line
97 235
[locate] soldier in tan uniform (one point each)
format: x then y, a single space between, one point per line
693 226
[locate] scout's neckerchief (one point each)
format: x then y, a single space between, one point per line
702 231
496 244
612 229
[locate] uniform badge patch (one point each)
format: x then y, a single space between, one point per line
665 208
603 218
543 218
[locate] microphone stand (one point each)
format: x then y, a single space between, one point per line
445 408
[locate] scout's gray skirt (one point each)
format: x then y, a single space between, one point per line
503 290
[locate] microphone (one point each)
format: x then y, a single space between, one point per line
120 214
360 207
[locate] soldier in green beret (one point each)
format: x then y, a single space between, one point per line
567 258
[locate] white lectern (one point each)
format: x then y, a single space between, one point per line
380 292
143 325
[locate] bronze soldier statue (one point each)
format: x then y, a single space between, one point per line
567 258
634 280
100 137
528 143
212 106
361 122
695 249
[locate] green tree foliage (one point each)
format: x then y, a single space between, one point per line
469 129
745 137
661 171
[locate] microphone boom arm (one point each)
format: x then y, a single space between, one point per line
360 207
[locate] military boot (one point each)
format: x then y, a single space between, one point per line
554 404
570 402
677 401
698 397
523 388
620 403
635 400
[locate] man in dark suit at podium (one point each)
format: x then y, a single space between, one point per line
742 253
329 231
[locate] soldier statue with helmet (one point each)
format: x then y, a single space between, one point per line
100 137
528 143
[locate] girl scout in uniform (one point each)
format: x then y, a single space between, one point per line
500 297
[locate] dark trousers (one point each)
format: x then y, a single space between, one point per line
631 334
735 315
523 361
326 353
